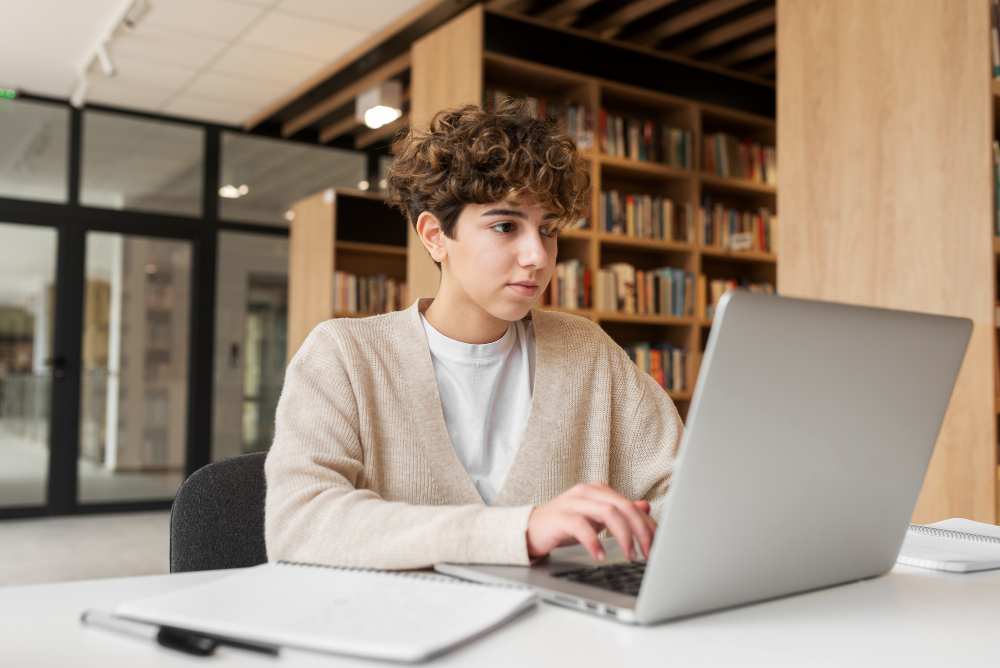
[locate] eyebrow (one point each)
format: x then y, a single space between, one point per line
514 213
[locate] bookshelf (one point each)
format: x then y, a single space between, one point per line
593 247
339 230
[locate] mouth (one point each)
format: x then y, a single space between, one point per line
524 289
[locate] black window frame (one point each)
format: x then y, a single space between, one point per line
72 221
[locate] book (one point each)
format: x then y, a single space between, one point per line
383 615
957 545
367 294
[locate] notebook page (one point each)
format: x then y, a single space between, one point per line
363 613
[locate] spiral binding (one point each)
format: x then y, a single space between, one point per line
948 533
423 576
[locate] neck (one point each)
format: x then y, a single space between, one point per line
456 316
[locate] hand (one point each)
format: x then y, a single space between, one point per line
581 512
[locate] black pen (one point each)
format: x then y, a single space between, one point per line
189 642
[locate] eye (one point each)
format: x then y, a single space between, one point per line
509 226
550 231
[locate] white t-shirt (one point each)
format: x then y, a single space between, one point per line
486 396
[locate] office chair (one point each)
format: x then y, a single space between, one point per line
217 518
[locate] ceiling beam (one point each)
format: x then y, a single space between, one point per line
612 24
564 12
509 5
727 33
687 20
379 75
369 137
338 128
753 49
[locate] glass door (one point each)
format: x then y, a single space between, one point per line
27 307
134 377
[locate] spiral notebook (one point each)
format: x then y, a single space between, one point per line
957 545
405 617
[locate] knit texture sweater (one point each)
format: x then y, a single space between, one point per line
362 472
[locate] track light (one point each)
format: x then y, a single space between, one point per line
380 104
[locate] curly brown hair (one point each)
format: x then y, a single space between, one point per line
471 155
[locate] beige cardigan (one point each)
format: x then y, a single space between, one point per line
362 471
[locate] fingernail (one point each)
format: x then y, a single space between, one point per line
600 555
631 554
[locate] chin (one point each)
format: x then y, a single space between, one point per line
508 311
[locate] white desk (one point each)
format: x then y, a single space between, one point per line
910 617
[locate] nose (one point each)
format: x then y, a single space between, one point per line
533 251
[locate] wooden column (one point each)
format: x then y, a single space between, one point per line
310 275
446 71
884 131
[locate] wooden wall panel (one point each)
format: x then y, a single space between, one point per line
884 130
310 273
446 71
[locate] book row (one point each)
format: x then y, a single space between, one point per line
367 294
727 155
996 188
642 139
719 287
738 230
995 38
665 362
620 287
646 216
573 119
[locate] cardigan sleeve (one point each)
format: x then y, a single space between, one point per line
315 513
650 429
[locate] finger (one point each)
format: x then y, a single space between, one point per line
613 520
638 521
585 534
642 505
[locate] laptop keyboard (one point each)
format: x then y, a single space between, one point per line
623 578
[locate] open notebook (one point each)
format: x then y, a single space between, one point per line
374 614
957 545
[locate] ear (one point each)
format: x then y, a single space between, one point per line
430 233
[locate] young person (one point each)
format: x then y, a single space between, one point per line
471 427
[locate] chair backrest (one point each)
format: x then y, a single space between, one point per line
217 518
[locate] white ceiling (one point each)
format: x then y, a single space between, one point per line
215 60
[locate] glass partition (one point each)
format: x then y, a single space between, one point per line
250 341
138 164
34 158
259 178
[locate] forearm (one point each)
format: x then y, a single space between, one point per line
357 528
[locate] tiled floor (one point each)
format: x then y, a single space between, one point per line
54 549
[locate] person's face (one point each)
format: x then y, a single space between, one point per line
502 257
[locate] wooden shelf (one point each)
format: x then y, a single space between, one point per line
740 186
680 396
996 245
626 167
644 243
742 256
381 249
995 87
614 316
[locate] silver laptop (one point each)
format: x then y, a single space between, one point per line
807 441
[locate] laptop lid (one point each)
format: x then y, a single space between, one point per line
808 438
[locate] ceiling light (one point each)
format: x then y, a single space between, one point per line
289 215
380 104
230 191
363 185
